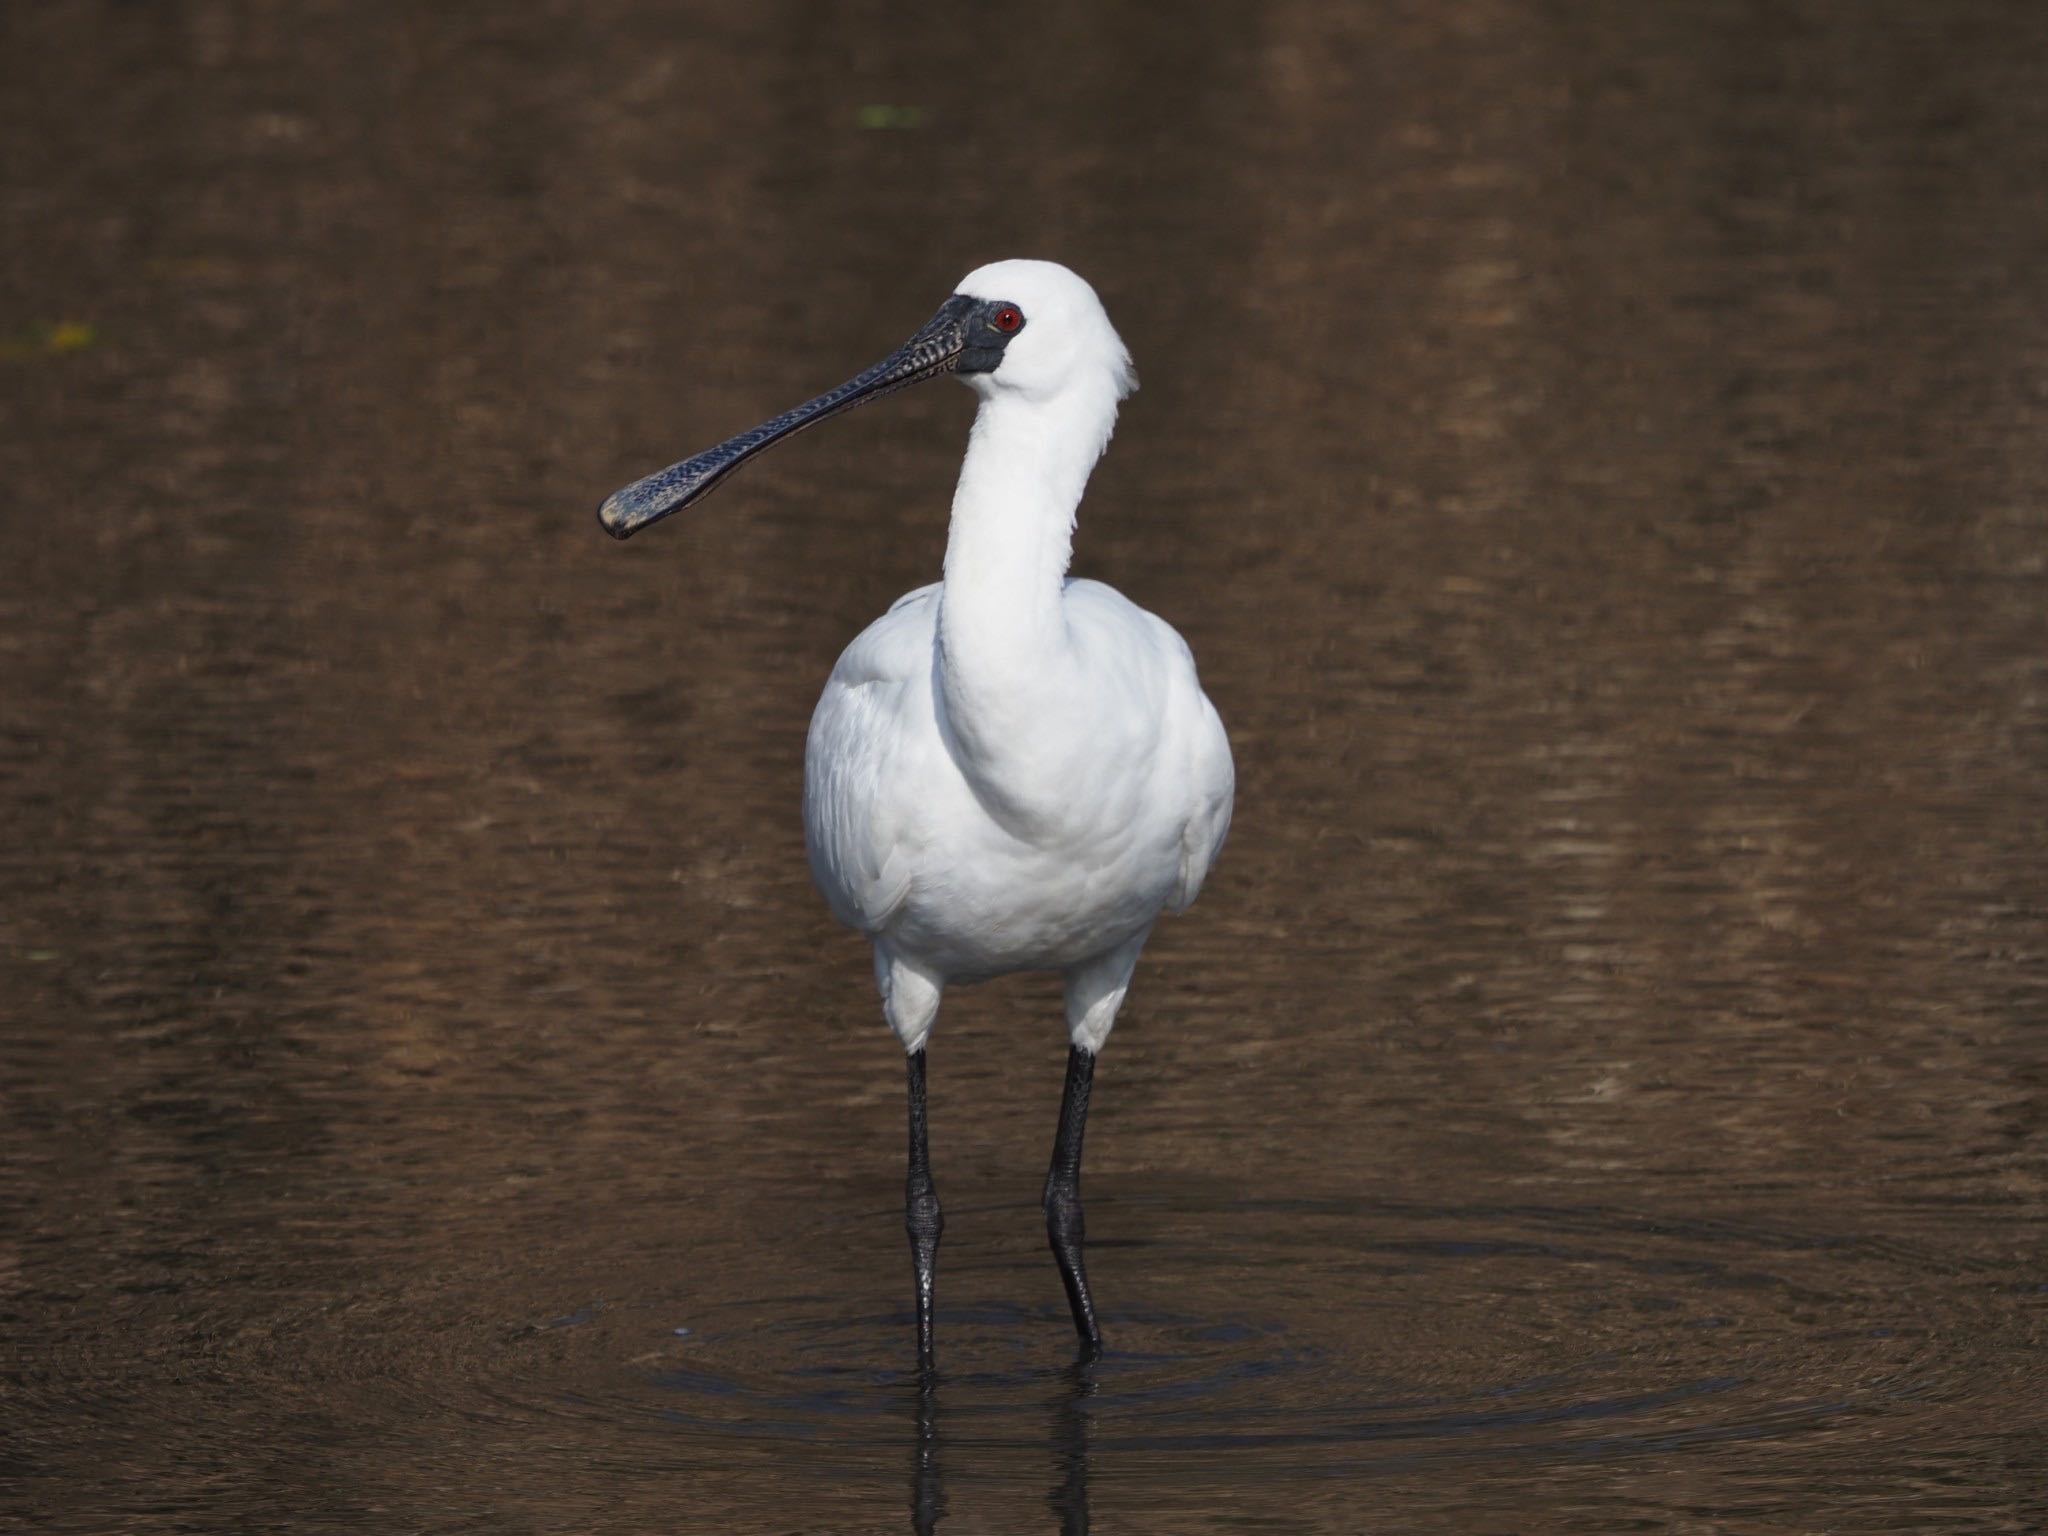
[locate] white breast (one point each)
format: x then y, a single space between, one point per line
1109 808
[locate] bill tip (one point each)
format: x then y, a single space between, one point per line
612 518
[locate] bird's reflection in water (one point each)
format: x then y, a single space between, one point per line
927 1482
1070 1445
1069 1495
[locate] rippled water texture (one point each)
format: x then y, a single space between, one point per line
1599 456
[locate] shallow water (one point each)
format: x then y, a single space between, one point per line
1597 456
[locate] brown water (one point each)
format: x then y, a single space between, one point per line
1599 456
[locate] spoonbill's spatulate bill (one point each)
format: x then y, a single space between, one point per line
1009 770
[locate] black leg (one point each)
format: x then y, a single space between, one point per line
921 1213
1063 1198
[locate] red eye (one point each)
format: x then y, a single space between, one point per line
1007 318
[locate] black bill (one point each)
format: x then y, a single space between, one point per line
955 332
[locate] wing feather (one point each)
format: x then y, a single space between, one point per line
856 843
1215 778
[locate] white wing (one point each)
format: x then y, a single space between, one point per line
1214 783
1196 774
858 852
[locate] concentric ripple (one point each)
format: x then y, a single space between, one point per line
1283 1337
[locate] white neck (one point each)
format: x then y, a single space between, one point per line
1003 647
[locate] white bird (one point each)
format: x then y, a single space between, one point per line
1010 770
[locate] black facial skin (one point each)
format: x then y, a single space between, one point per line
961 338
983 349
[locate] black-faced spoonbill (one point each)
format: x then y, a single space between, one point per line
1009 770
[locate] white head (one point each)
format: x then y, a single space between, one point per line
1055 335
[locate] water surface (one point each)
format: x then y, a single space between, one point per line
1597 456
